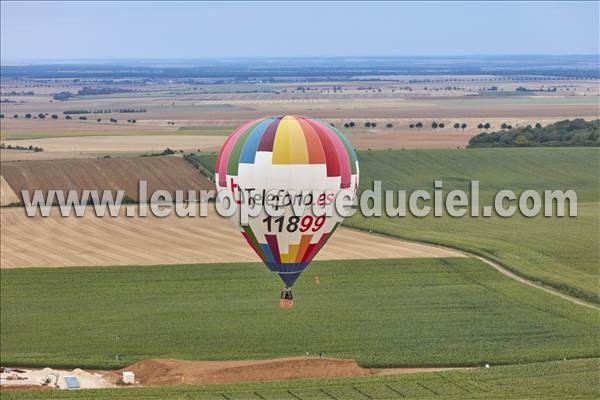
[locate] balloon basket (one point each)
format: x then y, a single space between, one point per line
287 298
286 303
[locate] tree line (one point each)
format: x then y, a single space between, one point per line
577 132
35 149
107 111
89 91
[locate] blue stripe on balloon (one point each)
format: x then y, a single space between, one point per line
266 250
251 145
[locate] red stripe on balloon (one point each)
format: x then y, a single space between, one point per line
344 159
268 138
272 242
313 248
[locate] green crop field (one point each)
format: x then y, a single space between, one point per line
383 313
550 380
561 252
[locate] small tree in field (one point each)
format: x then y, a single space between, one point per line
463 126
419 124
538 125
480 126
434 125
456 125
367 124
441 125
486 125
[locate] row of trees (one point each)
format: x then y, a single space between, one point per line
368 124
89 91
107 111
29 116
67 117
36 149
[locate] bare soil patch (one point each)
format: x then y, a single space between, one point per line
160 372
174 372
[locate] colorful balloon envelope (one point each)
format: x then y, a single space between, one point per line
299 161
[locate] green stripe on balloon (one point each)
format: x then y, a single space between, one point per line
254 241
236 153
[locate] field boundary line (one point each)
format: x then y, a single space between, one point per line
497 266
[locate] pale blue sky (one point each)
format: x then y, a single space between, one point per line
101 30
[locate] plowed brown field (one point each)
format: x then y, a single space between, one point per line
166 173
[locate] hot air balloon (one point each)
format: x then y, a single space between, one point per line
287 154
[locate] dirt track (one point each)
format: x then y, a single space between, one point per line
48 242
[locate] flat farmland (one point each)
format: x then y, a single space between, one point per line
93 146
166 173
175 110
209 135
558 251
549 380
555 251
48 242
420 312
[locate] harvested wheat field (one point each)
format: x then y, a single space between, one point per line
50 241
176 372
7 194
115 144
165 173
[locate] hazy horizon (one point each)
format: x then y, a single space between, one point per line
191 61
37 32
